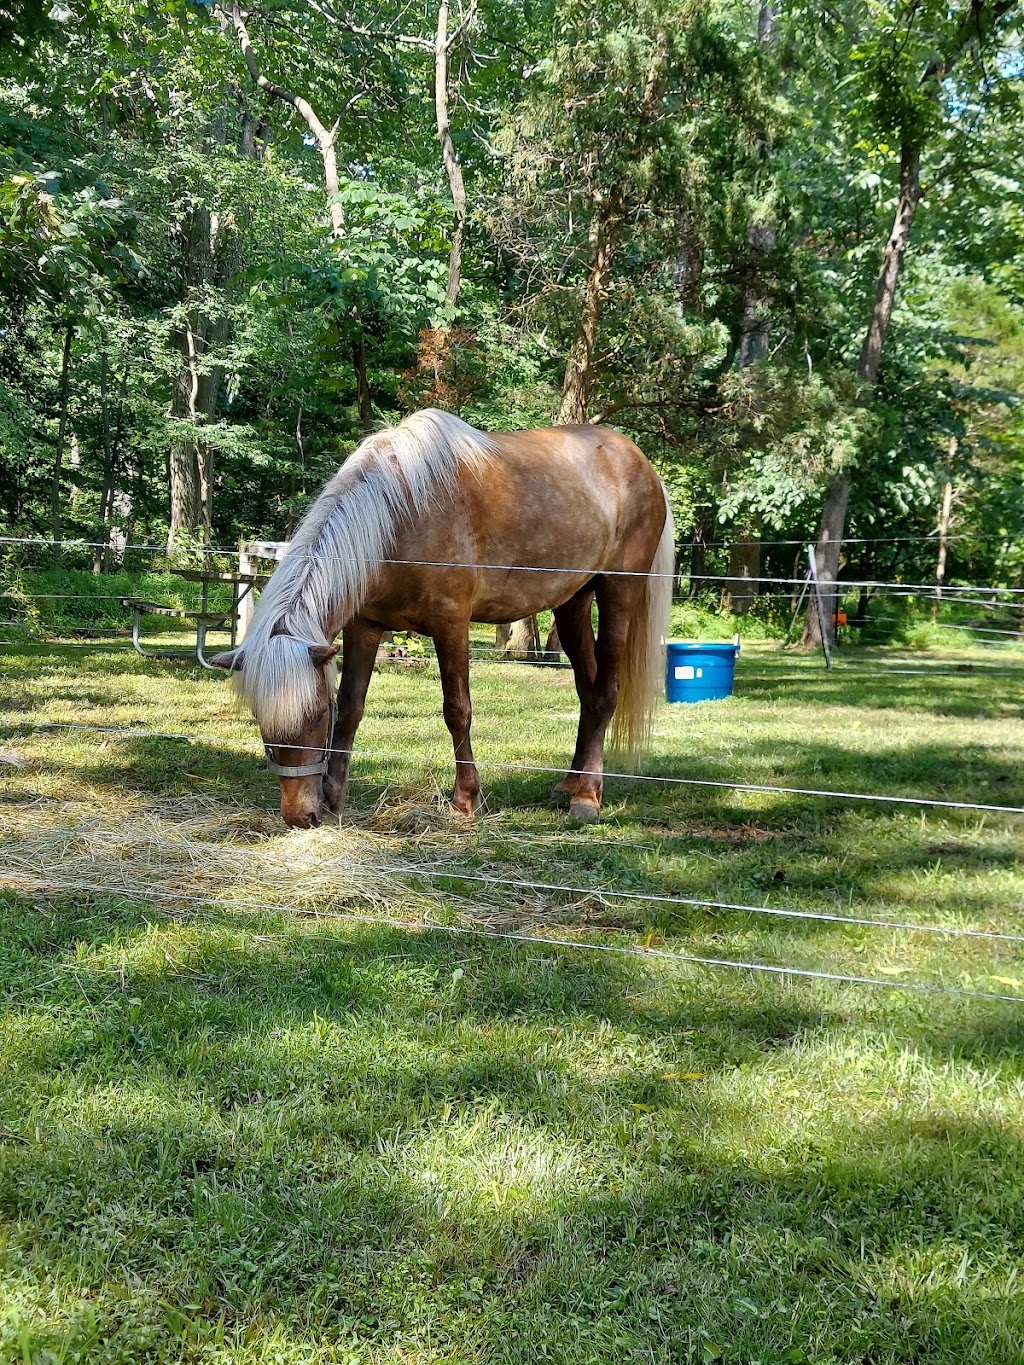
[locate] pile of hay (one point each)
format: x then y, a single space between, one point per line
201 851
404 860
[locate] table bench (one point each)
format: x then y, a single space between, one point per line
204 621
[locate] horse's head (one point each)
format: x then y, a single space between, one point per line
297 741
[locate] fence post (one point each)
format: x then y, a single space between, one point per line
248 602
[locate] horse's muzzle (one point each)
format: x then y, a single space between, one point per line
302 803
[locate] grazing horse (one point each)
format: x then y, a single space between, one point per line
428 526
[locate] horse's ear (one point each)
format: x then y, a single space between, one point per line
323 654
230 660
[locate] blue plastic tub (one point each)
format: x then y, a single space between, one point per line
701 672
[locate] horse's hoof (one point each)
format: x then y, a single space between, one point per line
585 811
466 807
560 793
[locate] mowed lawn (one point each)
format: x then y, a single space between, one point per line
252 1111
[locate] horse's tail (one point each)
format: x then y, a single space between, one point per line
641 677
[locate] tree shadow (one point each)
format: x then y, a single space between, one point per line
338 1137
968 695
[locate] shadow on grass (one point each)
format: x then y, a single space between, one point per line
258 1138
969 695
953 772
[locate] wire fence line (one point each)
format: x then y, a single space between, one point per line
825 793
38 885
490 654
235 550
562 569
434 871
892 590
689 902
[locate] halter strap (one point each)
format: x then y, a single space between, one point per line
306 769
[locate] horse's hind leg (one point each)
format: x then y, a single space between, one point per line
576 634
617 599
451 640
359 651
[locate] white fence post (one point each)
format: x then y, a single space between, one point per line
248 602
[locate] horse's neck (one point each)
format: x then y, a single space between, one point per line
308 606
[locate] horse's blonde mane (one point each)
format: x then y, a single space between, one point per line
392 478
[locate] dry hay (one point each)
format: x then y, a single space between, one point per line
203 851
379 863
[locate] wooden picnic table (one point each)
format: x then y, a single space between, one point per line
242 585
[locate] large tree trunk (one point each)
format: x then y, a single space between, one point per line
944 515
579 375
755 334
892 263
826 558
756 324
211 258
833 517
743 583
578 384
99 551
195 392
363 396
524 638
58 454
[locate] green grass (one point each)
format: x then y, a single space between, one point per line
283 1135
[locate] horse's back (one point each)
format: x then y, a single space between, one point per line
560 504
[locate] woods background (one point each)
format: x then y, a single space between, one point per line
781 245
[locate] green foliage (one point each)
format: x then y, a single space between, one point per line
731 175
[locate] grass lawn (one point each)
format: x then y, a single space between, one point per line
250 1111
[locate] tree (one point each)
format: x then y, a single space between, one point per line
907 55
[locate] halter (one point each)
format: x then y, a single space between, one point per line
306 769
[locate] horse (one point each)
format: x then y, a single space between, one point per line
431 525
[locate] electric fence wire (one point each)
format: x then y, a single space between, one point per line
618 573
546 941
824 793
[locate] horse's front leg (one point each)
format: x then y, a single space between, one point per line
359 651
452 644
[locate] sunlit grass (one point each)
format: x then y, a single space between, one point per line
235 1132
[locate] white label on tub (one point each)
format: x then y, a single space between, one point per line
684 671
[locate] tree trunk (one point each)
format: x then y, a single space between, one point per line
99 552
58 455
363 396
211 259
579 370
833 517
452 167
552 645
826 554
940 568
189 476
524 639
892 263
322 136
699 553
742 585
767 15
755 327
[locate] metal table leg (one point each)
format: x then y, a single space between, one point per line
136 624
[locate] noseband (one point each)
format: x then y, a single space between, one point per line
306 769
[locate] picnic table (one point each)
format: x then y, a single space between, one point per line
204 620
